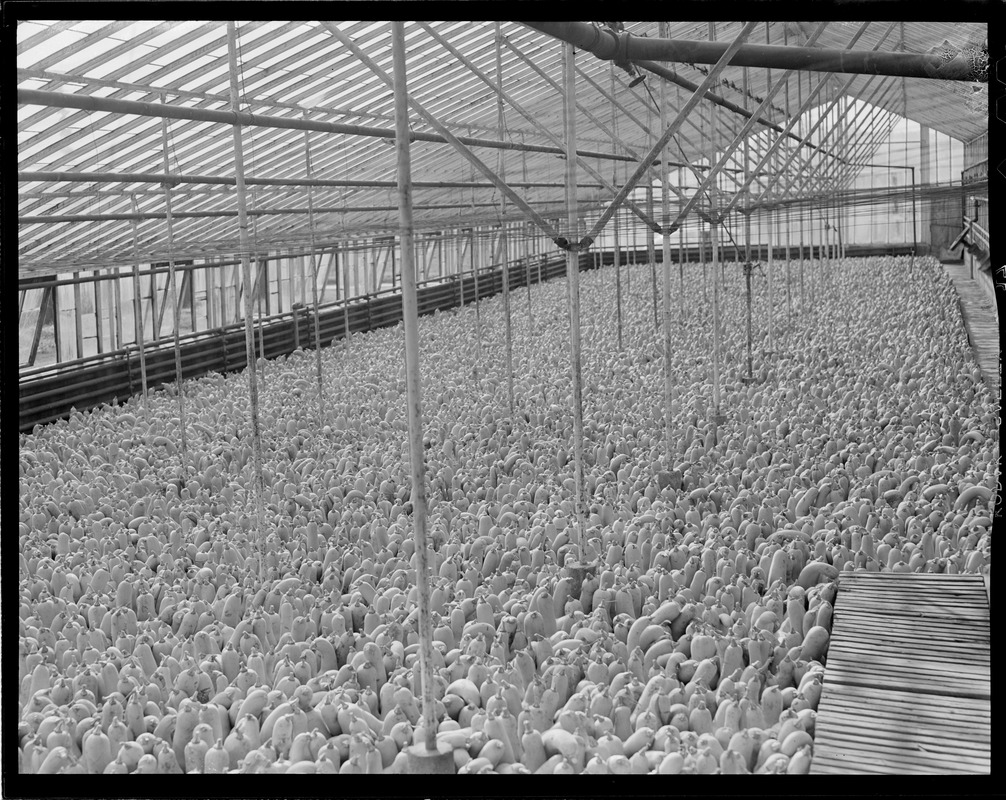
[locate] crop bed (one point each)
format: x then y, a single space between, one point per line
149 643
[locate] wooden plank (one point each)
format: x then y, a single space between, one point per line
822 765
977 655
890 741
938 593
928 679
880 680
930 721
893 657
937 645
868 629
900 611
857 652
929 716
907 642
854 764
944 595
906 754
902 576
976 712
909 755
916 581
951 587
909 698
977 631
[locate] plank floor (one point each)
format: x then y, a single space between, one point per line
981 320
907 679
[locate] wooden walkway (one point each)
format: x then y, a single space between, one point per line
906 683
981 320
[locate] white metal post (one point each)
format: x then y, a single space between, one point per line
410 317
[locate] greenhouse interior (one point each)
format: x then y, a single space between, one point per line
538 398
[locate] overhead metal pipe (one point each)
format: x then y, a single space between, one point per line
91 103
609 45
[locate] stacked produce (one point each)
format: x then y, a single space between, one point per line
149 643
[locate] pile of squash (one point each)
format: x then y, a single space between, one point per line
149 641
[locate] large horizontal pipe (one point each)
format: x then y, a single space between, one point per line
609 45
173 180
164 111
265 212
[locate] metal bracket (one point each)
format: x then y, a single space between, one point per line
573 247
621 58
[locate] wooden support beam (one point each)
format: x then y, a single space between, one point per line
414 390
504 238
172 283
242 203
315 268
138 312
573 281
665 248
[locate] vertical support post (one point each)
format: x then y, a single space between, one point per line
137 308
651 253
119 341
184 453
573 276
665 252
915 232
504 233
971 238
614 182
750 341
98 288
78 315
476 261
315 266
771 283
252 290
714 242
242 202
459 254
410 317
345 295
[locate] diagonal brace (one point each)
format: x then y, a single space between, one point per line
796 151
517 200
741 134
548 134
658 147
